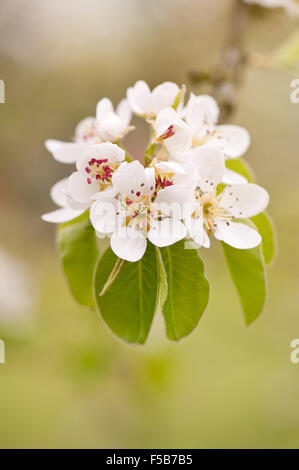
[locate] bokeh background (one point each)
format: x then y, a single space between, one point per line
67 381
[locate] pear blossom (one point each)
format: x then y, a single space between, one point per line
201 114
75 194
95 168
216 213
136 210
291 6
147 103
107 126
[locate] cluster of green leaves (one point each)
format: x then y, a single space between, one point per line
171 280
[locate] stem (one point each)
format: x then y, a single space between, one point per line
227 75
113 275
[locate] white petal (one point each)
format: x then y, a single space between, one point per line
111 129
233 141
53 144
85 131
174 201
181 138
244 200
232 177
210 164
170 167
139 98
163 96
61 215
124 112
59 191
99 151
79 188
197 232
166 232
202 112
103 215
130 178
237 235
104 107
128 244
69 152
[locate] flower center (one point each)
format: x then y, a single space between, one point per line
168 133
100 170
209 210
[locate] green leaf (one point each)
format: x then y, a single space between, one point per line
127 304
240 166
78 252
188 290
247 271
266 229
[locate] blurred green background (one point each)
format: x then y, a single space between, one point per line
67 381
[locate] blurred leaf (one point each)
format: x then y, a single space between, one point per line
129 303
240 166
266 229
78 252
188 290
247 270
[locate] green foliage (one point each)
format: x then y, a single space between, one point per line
188 290
78 252
240 166
129 299
266 229
247 271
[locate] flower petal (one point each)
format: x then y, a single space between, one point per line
85 131
197 232
130 178
180 138
170 167
201 113
139 98
164 95
232 177
210 165
59 192
233 141
103 215
237 235
174 201
166 232
104 108
105 150
244 200
79 188
128 244
67 152
61 215
111 129
124 112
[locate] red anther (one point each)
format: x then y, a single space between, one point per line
89 180
87 169
128 201
138 193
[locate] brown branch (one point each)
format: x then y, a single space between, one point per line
226 76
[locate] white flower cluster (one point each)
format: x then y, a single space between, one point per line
177 194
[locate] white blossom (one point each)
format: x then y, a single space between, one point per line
107 126
147 103
137 210
216 213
